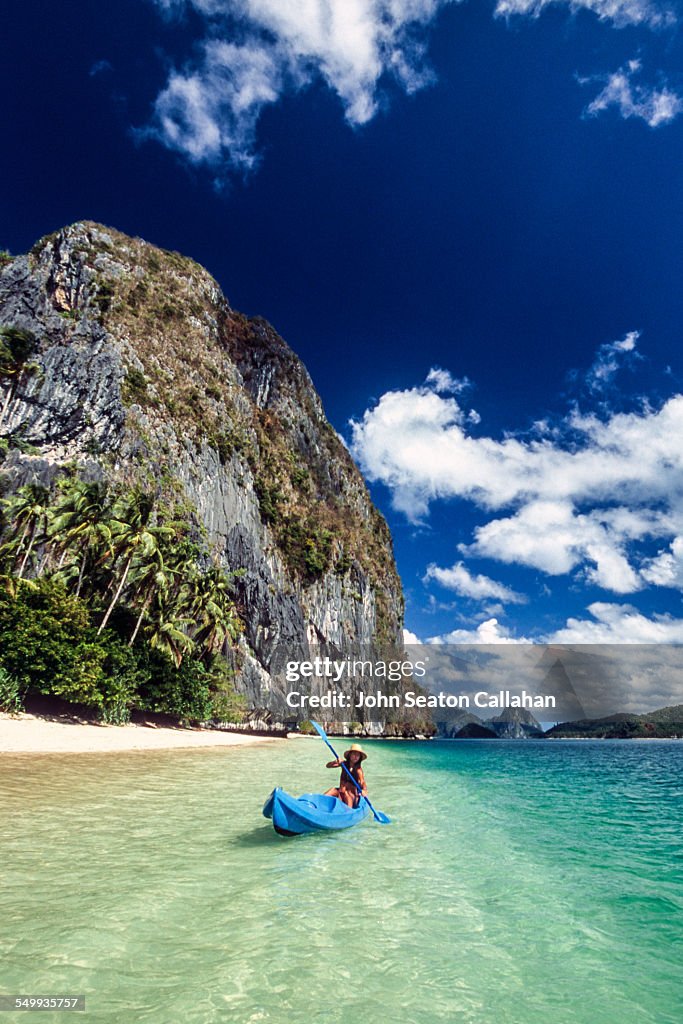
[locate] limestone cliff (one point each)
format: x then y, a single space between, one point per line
143 373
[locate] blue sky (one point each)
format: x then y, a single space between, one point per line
465 218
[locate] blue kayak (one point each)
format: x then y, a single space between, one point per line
312 812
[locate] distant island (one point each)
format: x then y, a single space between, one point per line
665 723
517 723
510 724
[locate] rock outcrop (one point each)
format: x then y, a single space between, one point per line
475 731
452 721
515 724
143 373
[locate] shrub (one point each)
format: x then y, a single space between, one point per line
270 498
184 691
16 345
307 548
10 693
226 704
49 646
103 298
134 387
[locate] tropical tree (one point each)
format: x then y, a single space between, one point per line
27 513
132 536
169 634
81 521
208 599
153 577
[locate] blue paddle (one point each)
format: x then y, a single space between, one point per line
383 819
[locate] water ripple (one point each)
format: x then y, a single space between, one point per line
521 883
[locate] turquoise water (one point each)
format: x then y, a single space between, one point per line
520 883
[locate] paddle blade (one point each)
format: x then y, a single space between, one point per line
380 818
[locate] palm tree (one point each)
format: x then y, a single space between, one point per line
169 634
132 536
153 578
212 610
27 511
82 521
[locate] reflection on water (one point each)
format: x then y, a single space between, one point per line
520 883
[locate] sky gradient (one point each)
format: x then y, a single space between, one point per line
465 218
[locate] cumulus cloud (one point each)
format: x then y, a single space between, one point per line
588 679
416 442
478 588
610 625
214 110
666 570
551 536
656 107
488 632
443 382
578 500
620 624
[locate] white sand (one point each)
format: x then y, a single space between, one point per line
27 734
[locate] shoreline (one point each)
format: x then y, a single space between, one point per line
33 734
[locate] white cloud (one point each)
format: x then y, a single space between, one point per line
579 500
214 110
415 441
608 360
610 624
410 639
666 570
478 588
551 536
444 382
620 12
257 49
654 106
489 632
620 624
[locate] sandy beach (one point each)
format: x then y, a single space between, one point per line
28 734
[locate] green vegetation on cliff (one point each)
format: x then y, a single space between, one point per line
103 603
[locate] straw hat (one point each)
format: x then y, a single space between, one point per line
355 747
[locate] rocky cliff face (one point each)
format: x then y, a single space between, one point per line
143 373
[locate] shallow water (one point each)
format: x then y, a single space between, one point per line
519 883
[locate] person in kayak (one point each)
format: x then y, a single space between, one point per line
346 791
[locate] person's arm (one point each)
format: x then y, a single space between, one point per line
361 782
334 764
